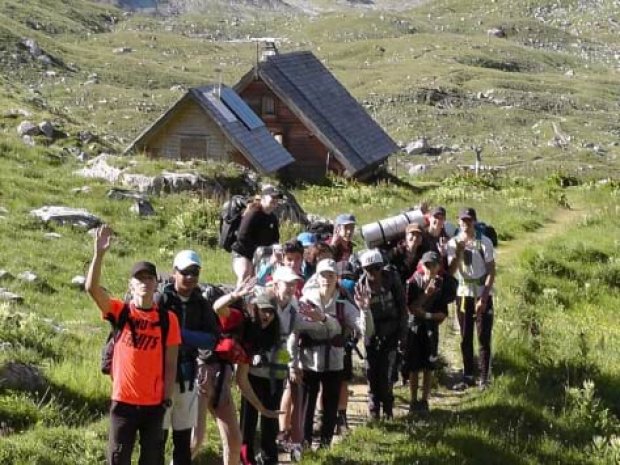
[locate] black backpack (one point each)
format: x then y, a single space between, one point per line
107 351
487 230
230 219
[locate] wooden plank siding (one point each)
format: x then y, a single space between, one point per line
189 133
309 152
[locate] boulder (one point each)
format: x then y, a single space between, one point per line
27 276
16 113
8 296
122 50
142 208
78 281
6 275
65 215
497 32
47 128
33 47
81 190
21 376
28 140
416 170
99 168
417 147
27 128
121 194
172 183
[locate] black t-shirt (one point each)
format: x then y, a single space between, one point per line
433 304
257 229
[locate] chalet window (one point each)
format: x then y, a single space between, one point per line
193 147
269 105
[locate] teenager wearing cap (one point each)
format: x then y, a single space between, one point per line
309 241
406 254
342 240
215 374
268 370
143 366
290 255
471 259
317 345
198 323
286 282
259 227
427 310
389 314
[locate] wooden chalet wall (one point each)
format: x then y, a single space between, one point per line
309 152
191 133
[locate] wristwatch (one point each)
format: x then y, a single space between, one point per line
166 403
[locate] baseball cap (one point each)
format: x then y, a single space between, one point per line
285 274
327 264
371 257
139 267
272 191
438 211
307 239
467 213
430 257
265 301
413 227
345 218
186 258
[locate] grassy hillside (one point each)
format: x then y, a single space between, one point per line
427 71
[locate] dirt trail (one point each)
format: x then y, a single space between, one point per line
443 397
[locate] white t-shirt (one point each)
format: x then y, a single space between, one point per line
477 254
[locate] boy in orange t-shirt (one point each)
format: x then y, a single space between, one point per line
142 373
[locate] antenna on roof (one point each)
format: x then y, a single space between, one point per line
219 82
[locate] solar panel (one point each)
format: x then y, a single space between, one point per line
241 109
223 109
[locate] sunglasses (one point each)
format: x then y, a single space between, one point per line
373 268
190 272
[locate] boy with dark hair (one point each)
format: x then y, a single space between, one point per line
143 365
471 259
427 310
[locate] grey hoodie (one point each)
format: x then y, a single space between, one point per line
313 358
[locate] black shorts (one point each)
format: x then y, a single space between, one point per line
422 348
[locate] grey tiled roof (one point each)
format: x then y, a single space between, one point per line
318 98
257 144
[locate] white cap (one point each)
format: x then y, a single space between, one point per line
285 274
327 264
185 259
371 257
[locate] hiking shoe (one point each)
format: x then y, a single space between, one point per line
464 385
342 423
296 452
418 406
283 440
483 385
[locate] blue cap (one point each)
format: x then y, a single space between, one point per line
307 239
185 259
345 218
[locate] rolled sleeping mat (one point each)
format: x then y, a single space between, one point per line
381 232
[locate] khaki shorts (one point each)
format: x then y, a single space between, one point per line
184 411
213 374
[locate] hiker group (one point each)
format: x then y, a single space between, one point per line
286 333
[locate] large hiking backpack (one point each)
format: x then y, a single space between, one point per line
230 219
487 230
107 351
